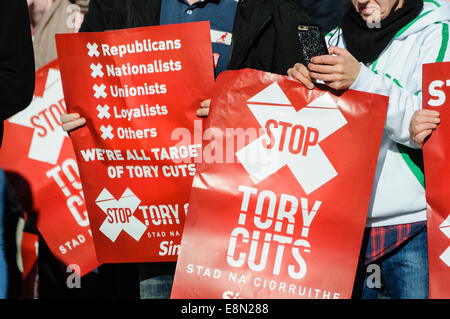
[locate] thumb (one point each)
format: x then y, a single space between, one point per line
337 51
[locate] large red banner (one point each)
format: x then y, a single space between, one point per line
38 157
138 89
436 153
279 203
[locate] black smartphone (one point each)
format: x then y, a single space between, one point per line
312 42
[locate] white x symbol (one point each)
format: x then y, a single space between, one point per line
445 228
106 132
312 170
100 91
96 70
93 50
103 111
128 202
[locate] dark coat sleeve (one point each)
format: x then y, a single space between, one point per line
16 58
327 13
98 16
286 48
265 35
106 15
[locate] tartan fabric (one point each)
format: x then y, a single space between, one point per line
383 240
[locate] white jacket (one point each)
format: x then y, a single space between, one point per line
398 194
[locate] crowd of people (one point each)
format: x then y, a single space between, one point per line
376 46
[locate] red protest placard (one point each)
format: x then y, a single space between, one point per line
436 151
279 204
138 89
38 157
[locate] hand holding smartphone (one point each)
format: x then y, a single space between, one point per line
312 43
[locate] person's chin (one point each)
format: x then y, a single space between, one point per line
371 18
365 18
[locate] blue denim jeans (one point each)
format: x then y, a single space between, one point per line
404 271
158 287
156 279
3 265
